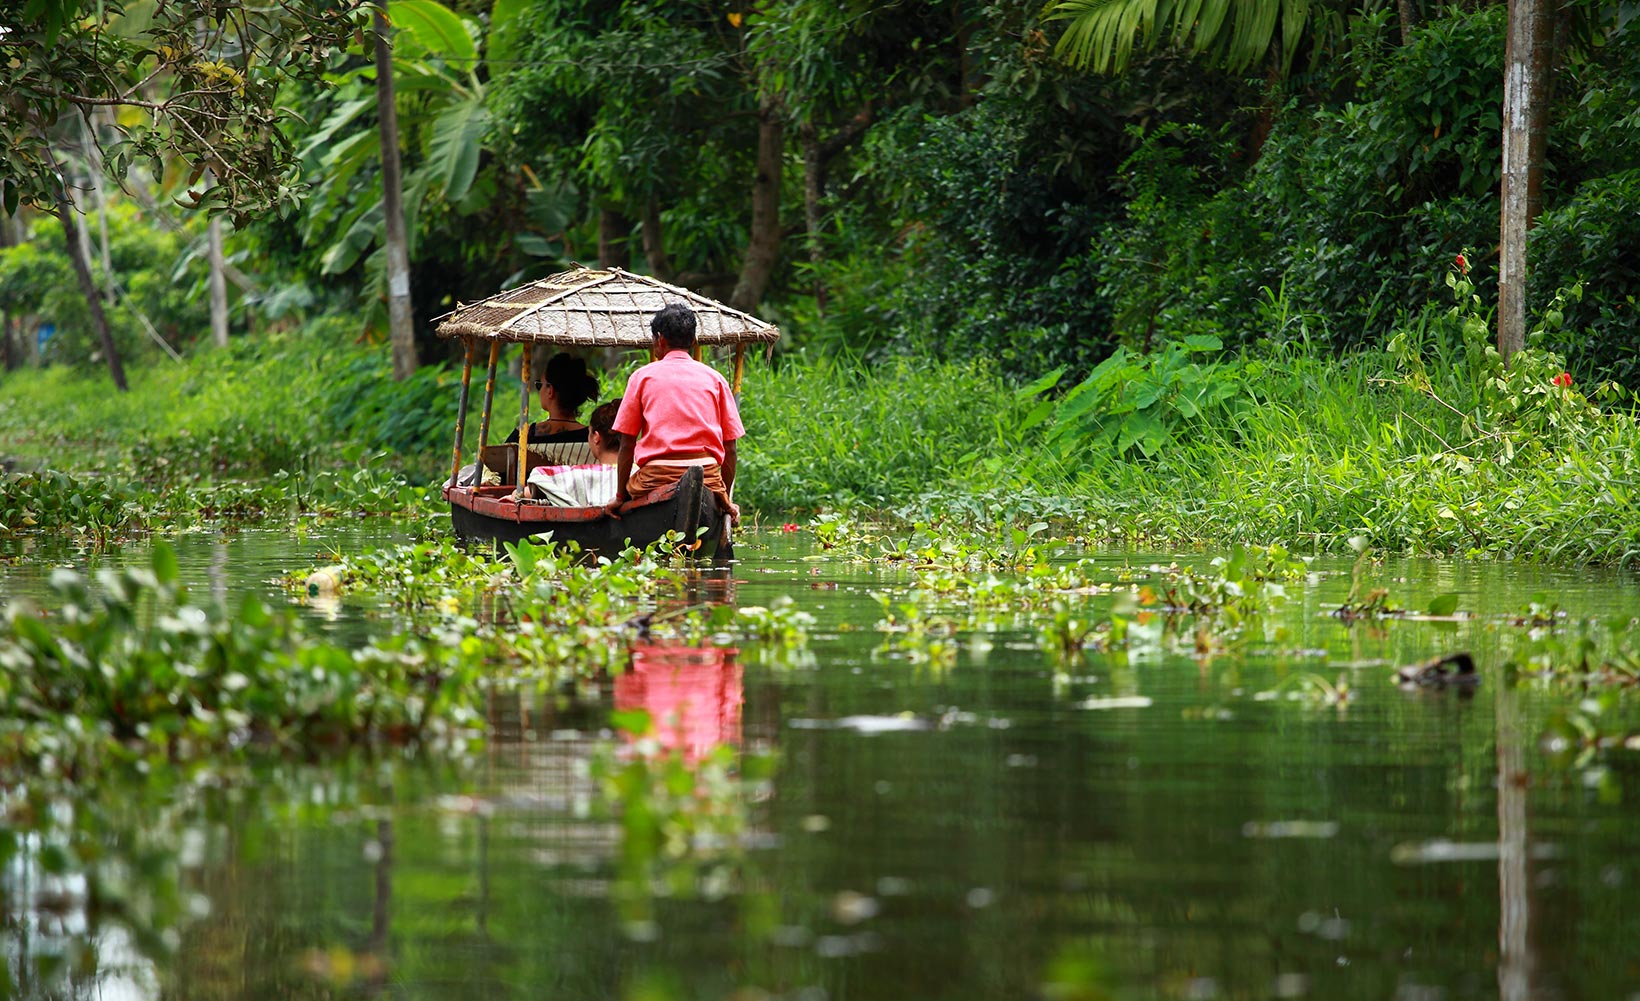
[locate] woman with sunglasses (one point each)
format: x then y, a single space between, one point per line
566 388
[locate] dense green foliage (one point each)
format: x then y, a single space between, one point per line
1173 303
949 185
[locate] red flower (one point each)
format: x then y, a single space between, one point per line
788 527
1564 380
1461 263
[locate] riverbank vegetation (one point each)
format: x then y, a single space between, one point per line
1168 303
1426 446
1029 308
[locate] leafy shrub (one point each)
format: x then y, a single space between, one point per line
1594 239
822 432
1346 204
1134 403
137 664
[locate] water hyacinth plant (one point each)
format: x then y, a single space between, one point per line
135 667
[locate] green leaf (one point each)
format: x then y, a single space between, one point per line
1202 342
1444 604
536 245
436 29
164 561
1037 415
502 43
455 146
634 721
1147 393
1042 385
1142 430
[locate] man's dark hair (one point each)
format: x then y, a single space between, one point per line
676 323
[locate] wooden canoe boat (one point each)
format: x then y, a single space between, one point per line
495 513
583 308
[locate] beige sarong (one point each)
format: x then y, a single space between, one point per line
662 472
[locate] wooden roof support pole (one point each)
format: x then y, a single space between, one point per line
461 407
523 423
484 421
740 367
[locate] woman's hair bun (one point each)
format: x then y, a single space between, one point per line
571 380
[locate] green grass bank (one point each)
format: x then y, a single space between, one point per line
1429 446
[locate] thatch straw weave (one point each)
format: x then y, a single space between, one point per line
593 307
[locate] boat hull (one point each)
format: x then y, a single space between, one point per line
486 514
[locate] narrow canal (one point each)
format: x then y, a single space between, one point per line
922 801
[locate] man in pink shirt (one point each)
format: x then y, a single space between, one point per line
676 413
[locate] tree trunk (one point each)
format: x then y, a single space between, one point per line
88 288
1525 120
764 245
654 241
9 354
1269 97
400 319
1409 19
218 284
1516 957
613 231
814 169
817 157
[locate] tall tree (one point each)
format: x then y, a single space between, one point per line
401 322
763 240
206 97
457 203
217 281
1525 141
88 288
1101 34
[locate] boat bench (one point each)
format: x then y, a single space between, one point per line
503 459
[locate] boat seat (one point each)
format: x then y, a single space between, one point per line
503 459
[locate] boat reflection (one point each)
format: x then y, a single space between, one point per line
692 694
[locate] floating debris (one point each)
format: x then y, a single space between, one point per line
866 725
1456 669
1290 829
1116 702
1443 850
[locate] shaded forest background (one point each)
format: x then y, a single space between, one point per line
920 179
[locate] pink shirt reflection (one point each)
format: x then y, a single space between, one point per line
693 695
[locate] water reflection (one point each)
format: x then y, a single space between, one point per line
1515 959
1007 826
692 695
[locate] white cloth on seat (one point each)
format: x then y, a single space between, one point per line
574 486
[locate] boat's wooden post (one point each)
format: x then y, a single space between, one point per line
524 423
489 394
484 421
461 407
740 367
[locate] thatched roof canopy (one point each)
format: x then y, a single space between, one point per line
592 307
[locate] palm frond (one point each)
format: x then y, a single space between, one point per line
1237 34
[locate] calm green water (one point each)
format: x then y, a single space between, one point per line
985 827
